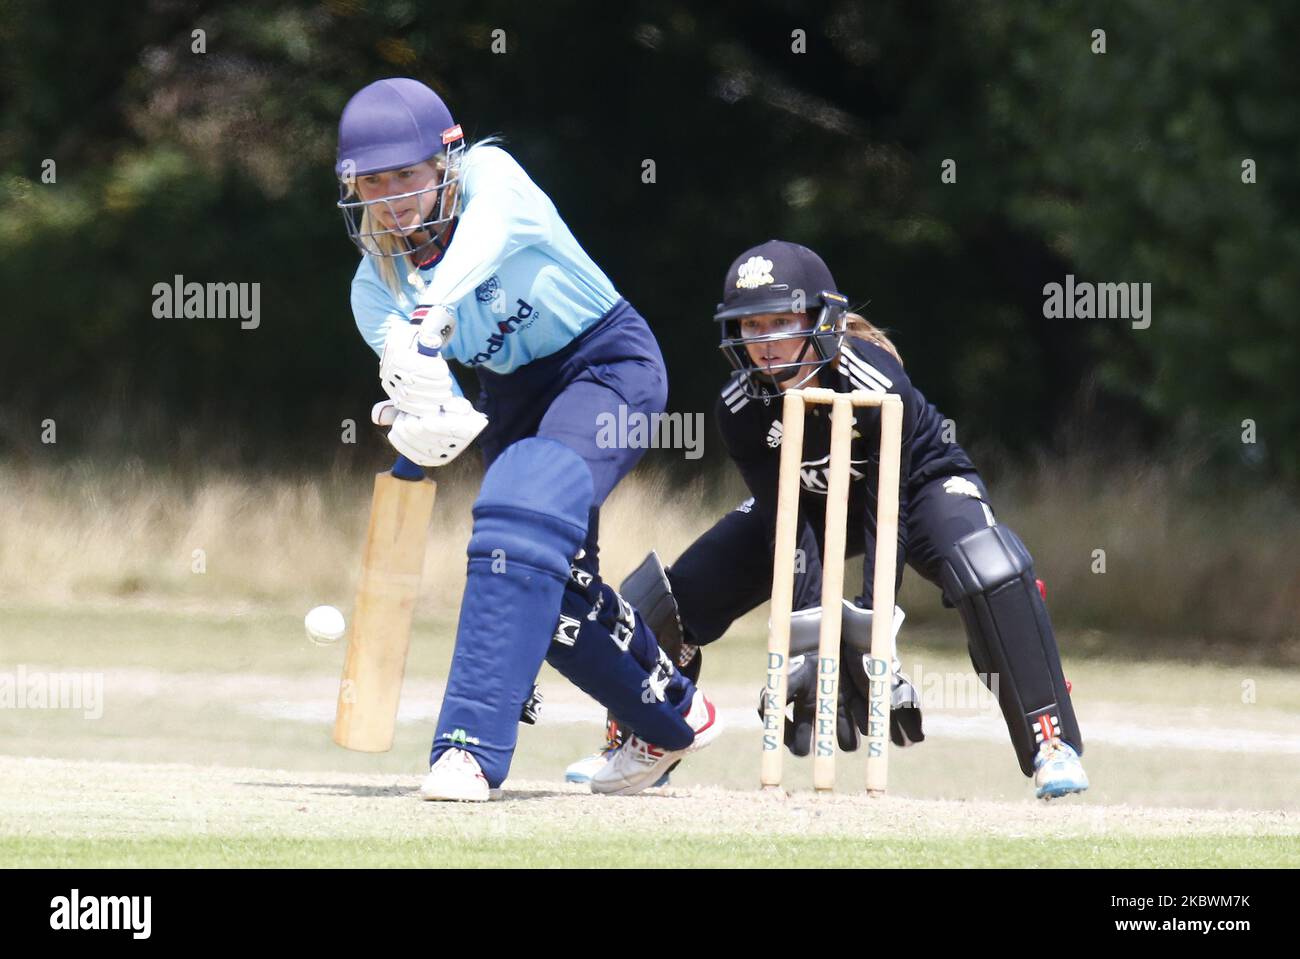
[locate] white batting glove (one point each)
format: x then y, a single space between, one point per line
418 382
436 324
436 438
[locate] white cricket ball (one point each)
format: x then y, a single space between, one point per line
325 625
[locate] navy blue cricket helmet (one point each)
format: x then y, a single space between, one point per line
390 124
780 277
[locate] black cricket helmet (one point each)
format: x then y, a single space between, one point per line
781 277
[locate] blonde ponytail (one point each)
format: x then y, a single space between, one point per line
863 329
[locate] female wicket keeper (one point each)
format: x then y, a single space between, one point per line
465 259
784 326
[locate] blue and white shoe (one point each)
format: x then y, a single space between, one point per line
586 767
1058 771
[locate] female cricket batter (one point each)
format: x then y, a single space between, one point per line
465 259
947 530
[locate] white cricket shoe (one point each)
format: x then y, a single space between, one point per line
638 765
455 777
1058 771
583 769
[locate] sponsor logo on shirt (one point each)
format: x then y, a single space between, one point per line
507 326
814 475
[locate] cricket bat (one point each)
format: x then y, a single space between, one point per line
381 622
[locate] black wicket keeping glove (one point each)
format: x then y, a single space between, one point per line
855 687
801 690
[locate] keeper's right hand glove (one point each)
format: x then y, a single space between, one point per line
855 684
801 688
852 702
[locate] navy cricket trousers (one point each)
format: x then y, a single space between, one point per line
615 362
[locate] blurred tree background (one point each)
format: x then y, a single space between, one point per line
1117 167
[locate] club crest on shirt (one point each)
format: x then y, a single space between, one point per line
487 291
753 273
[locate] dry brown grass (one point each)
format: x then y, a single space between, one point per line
1220 569
95 532
1183 555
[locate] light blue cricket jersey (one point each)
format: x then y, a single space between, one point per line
520 285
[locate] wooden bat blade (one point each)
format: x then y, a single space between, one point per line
391 563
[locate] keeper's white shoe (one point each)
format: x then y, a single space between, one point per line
455 777
583 769
637 764
1058 771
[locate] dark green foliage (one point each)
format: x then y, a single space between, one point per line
1117 167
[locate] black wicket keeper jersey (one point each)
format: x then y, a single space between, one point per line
752 431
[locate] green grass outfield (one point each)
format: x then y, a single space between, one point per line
617 851
213 749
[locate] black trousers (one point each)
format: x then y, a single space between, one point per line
728 571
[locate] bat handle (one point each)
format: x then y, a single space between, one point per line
408 470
